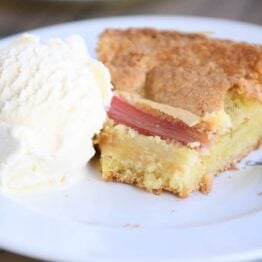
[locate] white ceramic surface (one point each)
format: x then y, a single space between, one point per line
93 220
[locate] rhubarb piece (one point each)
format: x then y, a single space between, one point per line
151 125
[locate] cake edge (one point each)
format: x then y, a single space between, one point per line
205 184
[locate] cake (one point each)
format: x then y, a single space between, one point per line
186 107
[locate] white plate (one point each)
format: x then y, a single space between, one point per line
95 220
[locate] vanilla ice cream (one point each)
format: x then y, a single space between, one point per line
53 100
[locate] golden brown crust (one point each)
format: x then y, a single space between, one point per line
188 71
116 177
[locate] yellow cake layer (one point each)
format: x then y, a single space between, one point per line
156 164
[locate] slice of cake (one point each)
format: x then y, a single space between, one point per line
186 108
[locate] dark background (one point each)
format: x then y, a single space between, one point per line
23 15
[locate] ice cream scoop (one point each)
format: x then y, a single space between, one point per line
53 100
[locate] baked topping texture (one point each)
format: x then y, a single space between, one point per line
188 71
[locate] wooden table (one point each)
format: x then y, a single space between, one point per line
22 15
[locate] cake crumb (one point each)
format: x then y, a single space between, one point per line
233 168
130 225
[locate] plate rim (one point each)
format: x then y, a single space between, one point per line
108 18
